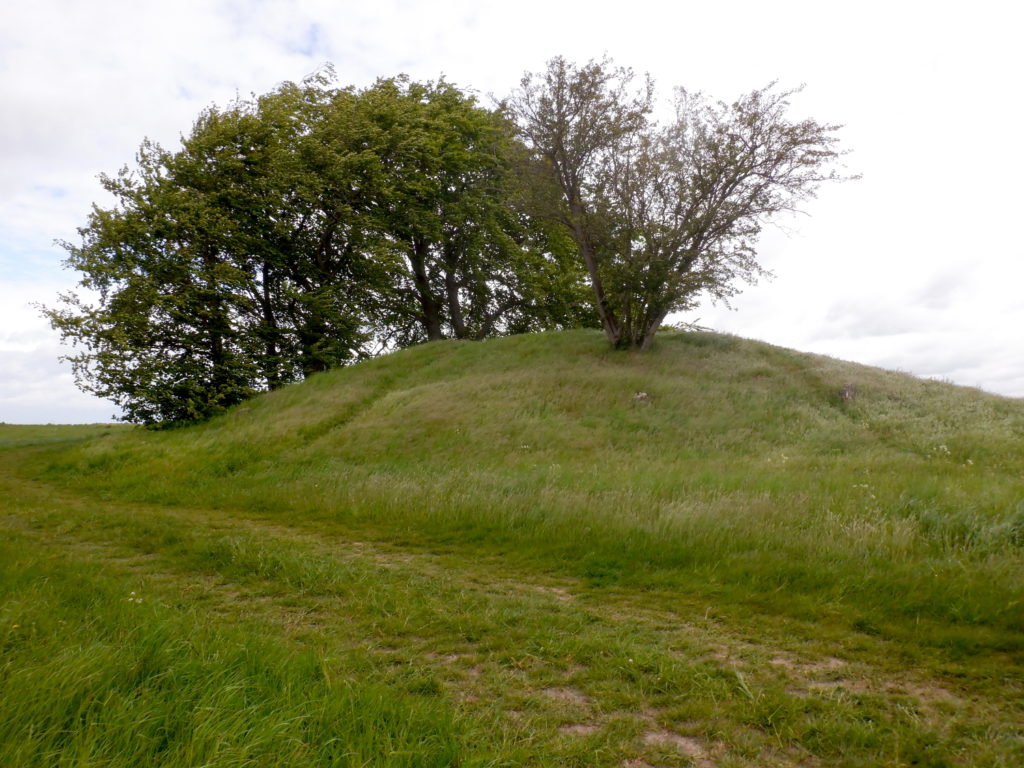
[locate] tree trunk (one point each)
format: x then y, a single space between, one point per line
310 334
487 327
454 307
611 325
430 307
652 328
212 314
272 355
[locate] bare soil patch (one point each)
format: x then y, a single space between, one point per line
684 745
567 695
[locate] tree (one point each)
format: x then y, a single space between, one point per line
661 214
445 196
302 230
300 206
237 264
160 341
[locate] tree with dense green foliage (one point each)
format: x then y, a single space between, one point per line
237 264
302 230
447 199
661 214
160 340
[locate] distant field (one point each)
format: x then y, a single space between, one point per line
497 554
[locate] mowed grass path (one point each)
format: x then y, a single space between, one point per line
377 609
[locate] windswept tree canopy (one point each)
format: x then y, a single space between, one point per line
302 230
448 202
661 214
317 225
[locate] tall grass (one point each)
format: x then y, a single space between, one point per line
97 675
496 554
742 473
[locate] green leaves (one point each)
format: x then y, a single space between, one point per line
661 214
302 230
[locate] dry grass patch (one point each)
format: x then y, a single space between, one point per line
566 695
685 745
579 729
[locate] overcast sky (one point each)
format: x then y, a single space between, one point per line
917 267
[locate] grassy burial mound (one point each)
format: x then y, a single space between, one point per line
528 551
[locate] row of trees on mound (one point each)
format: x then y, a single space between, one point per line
316 225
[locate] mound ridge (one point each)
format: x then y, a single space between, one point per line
565 396
744 464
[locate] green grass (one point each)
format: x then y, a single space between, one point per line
95 675
495 554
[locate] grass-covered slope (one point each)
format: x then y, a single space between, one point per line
742 470
508 557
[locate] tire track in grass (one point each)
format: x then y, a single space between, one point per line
614 696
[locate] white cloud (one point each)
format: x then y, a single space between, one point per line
917 266
35 387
